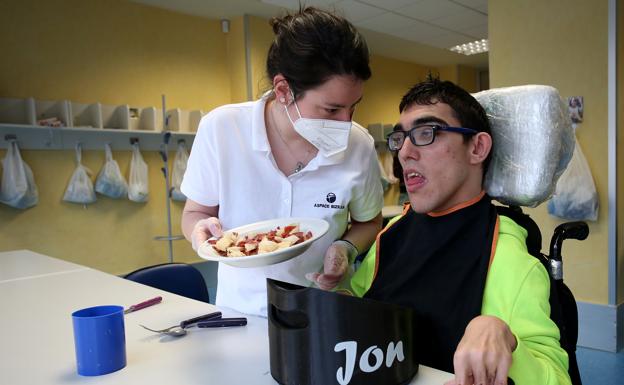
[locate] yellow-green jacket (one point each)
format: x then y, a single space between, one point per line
517 291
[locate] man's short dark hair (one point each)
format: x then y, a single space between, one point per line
466 108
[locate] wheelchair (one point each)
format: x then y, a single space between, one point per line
563 310
533 143
520 117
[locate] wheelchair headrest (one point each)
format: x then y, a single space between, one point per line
533 143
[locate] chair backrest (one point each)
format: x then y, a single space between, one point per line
177 278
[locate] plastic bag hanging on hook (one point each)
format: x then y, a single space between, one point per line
179 167
138 188
575 195
18 187
110 182
80 187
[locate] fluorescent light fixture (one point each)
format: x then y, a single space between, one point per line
472 47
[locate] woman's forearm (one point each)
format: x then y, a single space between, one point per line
363 234
194 212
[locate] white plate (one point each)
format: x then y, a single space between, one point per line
317 226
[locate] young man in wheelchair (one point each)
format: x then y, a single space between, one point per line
482 299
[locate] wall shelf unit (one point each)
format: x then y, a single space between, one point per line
379 131
92 125
31 137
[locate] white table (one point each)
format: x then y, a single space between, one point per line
37 340
23 264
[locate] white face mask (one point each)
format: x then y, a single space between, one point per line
329 136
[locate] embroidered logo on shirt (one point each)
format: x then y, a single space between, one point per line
330 198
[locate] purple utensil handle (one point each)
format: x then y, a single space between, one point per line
143 305
223 322
204 317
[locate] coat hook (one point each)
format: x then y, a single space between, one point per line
134 140
9 137
181 141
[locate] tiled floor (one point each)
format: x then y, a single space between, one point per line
600 368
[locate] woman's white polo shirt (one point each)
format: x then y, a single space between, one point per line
231 166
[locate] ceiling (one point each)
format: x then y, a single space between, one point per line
419 31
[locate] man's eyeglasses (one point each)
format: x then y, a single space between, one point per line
422 135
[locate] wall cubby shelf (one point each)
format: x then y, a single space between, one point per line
92 125
379 131
65 138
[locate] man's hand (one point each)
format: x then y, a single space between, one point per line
204 229
335 266
483 355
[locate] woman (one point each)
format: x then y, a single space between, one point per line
293 153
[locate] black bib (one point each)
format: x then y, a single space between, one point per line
438 266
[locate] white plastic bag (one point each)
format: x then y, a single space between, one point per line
387 163
110 182
80 187
138 189
18 187
385 160
177 173
575 196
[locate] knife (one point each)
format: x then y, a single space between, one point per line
222 322
143 305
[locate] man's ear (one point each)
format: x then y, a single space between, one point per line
282 90
481 145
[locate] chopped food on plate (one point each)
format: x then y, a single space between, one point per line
232 244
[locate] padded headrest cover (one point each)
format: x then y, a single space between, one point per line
533 143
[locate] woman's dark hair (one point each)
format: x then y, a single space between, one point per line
312 45
465 107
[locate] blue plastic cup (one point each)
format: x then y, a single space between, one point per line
100 340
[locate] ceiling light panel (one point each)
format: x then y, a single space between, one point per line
471 48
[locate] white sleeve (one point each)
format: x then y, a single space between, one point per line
201 179
368 198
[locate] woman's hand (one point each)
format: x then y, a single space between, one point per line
200 222
483 355
335 266
204 229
